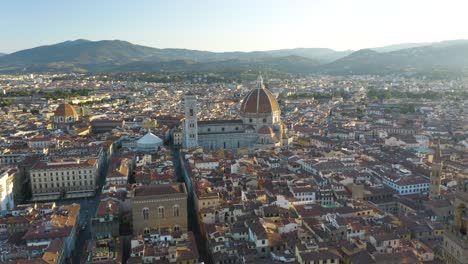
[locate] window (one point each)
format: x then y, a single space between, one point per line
264 120
250 120
176 211
161 212
145 213
222 129
176 228
191 112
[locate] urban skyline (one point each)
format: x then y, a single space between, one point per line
115 150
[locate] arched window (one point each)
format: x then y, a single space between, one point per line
250 120
145 213
176 228
176 210
161 212
264 120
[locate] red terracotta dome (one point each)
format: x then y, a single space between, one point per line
265 130
259 101
65 110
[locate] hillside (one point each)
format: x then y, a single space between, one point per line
445 58
419 60
85 55
291 64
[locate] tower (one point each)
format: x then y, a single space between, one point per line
455 244
436 173
190 124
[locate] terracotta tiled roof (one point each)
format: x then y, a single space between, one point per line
65 110
160 189
266 130
259 100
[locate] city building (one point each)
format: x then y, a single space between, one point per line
64 178
106 222
455 242
7 196
260 124
159 206
103 251
60 223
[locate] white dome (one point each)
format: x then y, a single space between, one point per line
149 142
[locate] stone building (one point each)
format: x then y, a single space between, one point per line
436 174
259 125
159 206
456 235
105 224
64 178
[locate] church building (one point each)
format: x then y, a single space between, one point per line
259 125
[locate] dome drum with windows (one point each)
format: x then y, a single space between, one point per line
65 114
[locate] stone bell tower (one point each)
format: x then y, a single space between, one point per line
436 174
191 121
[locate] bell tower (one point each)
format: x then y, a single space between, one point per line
191 121
436 173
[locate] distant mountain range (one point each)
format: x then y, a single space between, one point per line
423 60
441 44
121 56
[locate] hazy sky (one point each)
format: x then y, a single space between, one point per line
228 25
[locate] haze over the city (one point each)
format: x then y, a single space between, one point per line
233 25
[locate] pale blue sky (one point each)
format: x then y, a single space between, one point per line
228 25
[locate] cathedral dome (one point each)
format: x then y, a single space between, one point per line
259 101
65 110
265 130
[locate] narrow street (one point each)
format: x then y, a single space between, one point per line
88 208
192 215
